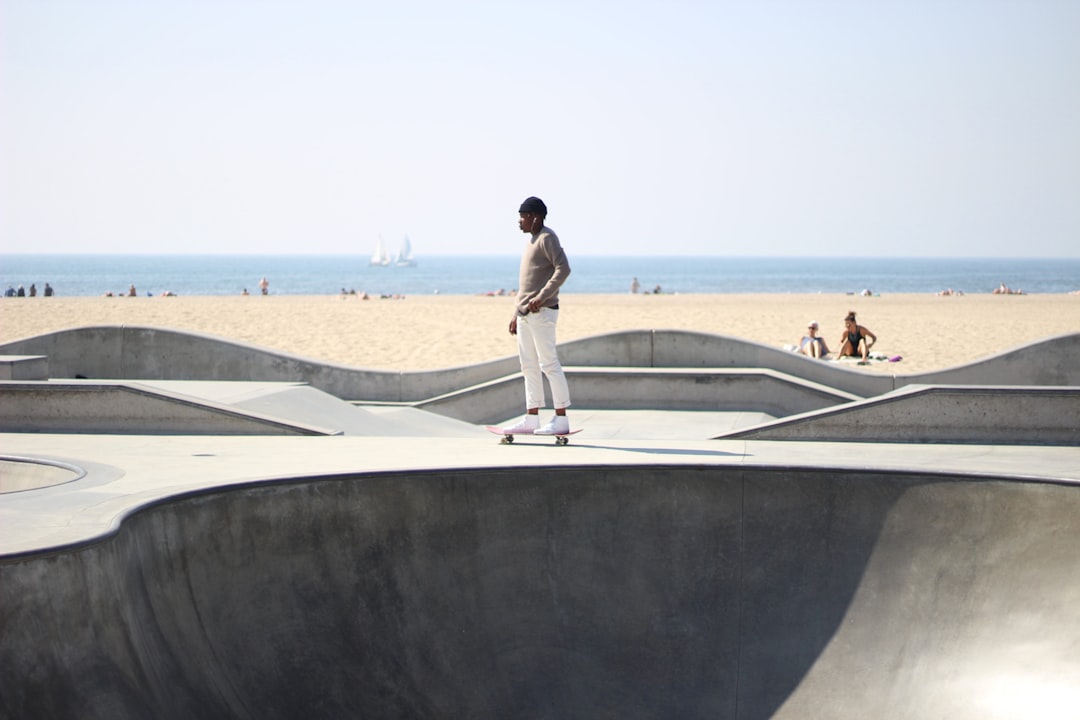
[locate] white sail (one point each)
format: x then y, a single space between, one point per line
380 256
404 256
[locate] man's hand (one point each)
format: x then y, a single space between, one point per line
513 326
534 306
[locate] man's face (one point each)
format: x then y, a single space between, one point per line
529 222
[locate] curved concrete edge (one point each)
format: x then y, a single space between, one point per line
148 353
1051 361
26 473
660 348
125 476
757 592
981 415
124 352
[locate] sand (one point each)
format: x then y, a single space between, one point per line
430 332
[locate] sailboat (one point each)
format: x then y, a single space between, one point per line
404 256
380 256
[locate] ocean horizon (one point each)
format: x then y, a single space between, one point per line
88 275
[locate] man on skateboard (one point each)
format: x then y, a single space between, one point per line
544 268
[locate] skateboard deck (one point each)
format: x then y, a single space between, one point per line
508 438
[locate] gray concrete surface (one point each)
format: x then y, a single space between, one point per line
652 426
410 566
1031 415
24 367
622 388
188 407
18 474
124 352
131 408
375 577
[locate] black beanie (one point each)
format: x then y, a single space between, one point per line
533 205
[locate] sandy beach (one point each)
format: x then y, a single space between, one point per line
429 332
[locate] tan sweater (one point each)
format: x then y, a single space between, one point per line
544 268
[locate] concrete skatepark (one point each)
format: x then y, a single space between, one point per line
195 528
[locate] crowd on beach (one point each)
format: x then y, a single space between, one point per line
48 291
635 289
32 292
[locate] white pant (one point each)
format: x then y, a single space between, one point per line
536 348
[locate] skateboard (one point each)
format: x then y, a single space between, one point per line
508 438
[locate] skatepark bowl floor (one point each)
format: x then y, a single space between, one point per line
562 592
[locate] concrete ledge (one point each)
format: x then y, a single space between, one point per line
1054 361
630 388
726 390
982 415
121 352
24 367
128 409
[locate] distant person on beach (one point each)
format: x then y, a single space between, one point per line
264 285
856 340
634 286
33 290
48 290
21 292
811 344
544 268
131 291
10 292
244 293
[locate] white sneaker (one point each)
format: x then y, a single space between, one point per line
524 426
558 425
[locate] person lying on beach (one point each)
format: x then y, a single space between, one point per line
856 340
811 344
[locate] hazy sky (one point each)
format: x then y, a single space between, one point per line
675 127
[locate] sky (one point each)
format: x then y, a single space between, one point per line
912 128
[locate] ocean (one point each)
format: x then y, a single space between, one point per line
92 275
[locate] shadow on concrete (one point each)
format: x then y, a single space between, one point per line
686 452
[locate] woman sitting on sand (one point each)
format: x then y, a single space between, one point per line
854 340
813 345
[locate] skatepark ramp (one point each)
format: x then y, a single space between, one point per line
980 415
129 408
617 388
180 407
562 591
146 353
